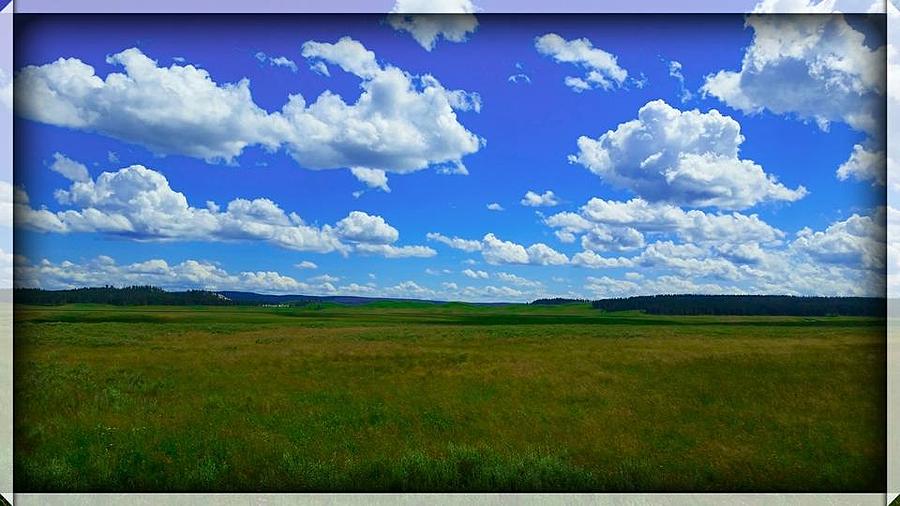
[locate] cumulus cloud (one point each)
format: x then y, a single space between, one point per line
846 258
430 20
399 123
812 67
494 206
306 264
623 221
169 110
363 228
138 203
546 199
497 251
69 169
601 68
864 165
475 274
856 241
682 157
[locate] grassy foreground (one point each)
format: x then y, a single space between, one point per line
444 398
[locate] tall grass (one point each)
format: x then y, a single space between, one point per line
444 398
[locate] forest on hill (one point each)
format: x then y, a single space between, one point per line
126 296
747 305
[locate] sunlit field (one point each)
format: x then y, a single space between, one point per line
394 397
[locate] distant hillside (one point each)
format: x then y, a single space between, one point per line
749 305
148 295
299 300
127 296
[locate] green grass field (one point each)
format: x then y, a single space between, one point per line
444 398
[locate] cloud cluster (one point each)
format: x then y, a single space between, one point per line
864 165
618 218
601 68
682 157
189 274
812 67
430 20
498 251
202 274
399 123
818 7
138 203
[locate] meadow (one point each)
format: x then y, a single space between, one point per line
417 397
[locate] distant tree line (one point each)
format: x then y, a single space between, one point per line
126 296
557 301
771 305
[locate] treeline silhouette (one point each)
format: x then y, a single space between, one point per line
748 305
126 296
558 301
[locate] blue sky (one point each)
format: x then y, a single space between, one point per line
790 204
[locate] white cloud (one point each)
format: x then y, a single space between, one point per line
516 280
615 220
6 269
519 78
592 260
818 7
373 178
409 289
138 203
601 68
170 110
320 68
189 274
277 61
364 228
493 206
429 20
399 123
606 287
391 251
69 169
497 251
306 264
541 254
546 199
475 274
813 67
6 90
856 241
675 71
468 245
6 204
325 278
683 157
864 165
